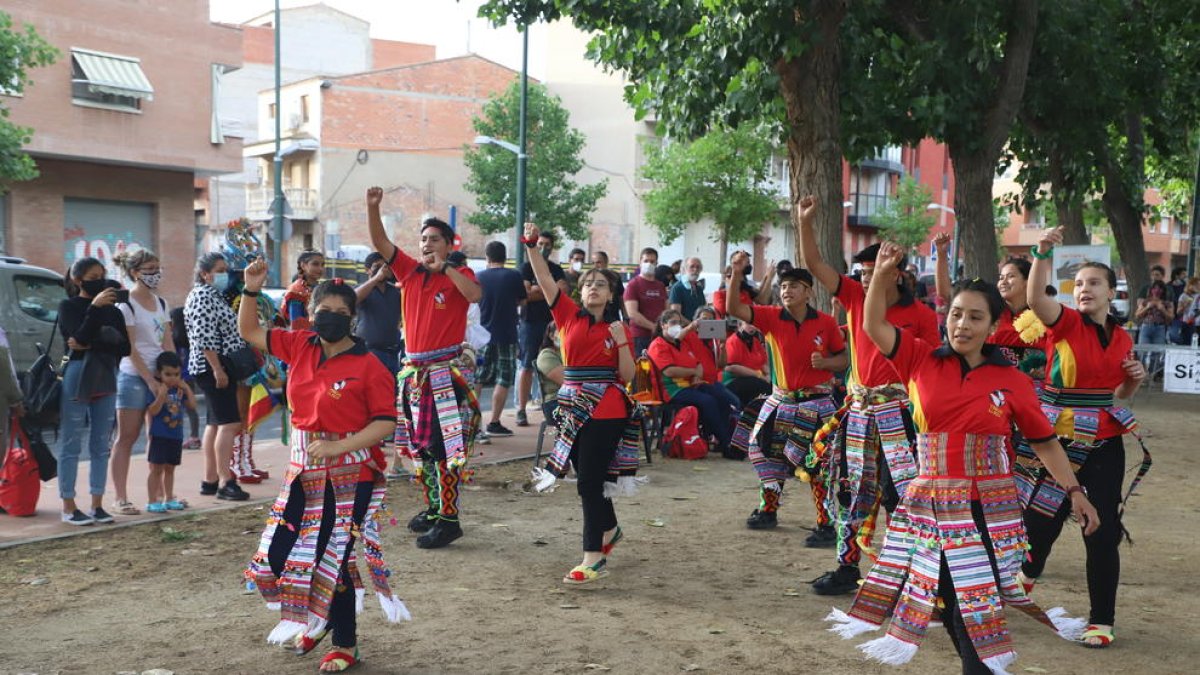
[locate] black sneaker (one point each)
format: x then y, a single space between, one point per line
841 581
822 537
422 522
100 515
762 520
522 419
497 429
209 489
77 517
233 492
442 533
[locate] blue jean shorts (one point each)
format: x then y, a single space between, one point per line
131 392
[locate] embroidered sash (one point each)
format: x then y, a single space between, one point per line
427 386
797 416
582 390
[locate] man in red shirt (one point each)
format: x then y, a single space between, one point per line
645 299
439 415
806 346
873 460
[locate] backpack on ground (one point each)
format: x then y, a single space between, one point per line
682 438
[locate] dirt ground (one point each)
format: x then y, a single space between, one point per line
691 588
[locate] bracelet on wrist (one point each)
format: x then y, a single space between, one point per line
1076 488
251 294
529 242
1041 256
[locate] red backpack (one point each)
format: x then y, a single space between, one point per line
682 438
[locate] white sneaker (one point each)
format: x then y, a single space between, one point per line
77 517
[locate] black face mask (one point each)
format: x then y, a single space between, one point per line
331 326
94 287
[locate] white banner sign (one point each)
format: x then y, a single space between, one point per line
1067 261
1181 372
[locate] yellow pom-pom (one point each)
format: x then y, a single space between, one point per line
1029 327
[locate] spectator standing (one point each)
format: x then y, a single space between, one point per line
96 339
148 323
503 293
1186 311
574 268
1179 282
645 299
10 393
379 312
616 306
687 295
164 408
534 322
179 337
1158 273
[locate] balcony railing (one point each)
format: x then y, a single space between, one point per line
864 209
303 202
887 158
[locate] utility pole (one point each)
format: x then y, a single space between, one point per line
277 167
1193 240
522 158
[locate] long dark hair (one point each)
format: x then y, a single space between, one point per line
305 256
80 267
995 302
334 287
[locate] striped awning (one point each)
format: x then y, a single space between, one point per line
112 74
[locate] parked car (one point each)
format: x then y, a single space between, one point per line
29 299
1120 303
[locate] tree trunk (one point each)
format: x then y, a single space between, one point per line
1126 222
810 85
1068 203
977 249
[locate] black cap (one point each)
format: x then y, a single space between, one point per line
372 258
796 274
457 258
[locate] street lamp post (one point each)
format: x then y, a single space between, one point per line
941 222
277 168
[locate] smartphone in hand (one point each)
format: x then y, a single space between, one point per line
123 295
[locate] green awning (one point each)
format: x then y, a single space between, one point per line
112 74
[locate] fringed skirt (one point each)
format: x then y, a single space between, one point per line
934 521
304 589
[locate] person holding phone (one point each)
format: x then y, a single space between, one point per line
957 533
91 326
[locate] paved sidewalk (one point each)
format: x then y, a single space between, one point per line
269 454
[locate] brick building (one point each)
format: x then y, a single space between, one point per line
403 128
123 123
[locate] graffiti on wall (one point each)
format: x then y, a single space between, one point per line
78 242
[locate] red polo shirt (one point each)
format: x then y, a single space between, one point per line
651 297
434 311
794 342
703 349
1084 355
665 354
737 353
340 395
587 342
948 396
720 294
868 367
1007 336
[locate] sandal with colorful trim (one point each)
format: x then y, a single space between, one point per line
305 644
586 574
1103 635
339 660
617 536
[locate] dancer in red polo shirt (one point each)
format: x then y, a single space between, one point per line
1090 362
872 460
439 415
806 346
341 398
599 427
957 532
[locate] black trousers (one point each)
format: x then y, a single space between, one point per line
746 388
342 619
595 448
951 617
1101 475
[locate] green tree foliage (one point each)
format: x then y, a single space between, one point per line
1124 119
20 50
552 197
906 220
722 175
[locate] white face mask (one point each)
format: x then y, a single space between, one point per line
647 269
151 280
576 265
674 331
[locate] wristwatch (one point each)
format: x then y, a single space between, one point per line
1076 488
